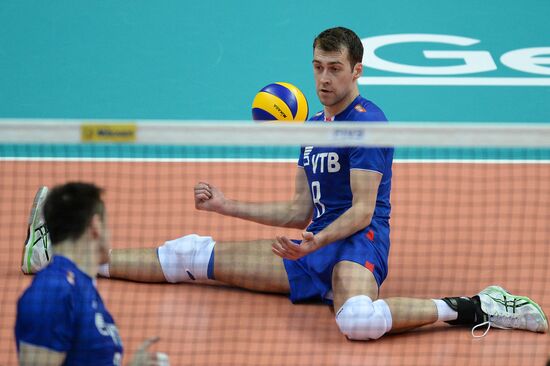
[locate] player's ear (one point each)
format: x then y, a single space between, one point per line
96 225
357 71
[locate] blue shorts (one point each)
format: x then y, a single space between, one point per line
310 277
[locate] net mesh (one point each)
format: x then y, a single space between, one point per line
466 213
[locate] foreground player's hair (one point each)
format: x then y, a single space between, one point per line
69 209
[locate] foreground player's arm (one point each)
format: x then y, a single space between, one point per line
45 321
295 213
364 186
31 355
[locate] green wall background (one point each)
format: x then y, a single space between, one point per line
206 59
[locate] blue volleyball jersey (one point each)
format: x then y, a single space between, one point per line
63 311
328 168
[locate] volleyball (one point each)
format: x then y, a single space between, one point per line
280 102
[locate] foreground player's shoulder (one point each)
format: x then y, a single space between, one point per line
47 301
46 311
47 282
366 110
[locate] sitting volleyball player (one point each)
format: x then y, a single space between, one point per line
343 254
61 318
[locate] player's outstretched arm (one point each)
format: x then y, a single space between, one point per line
295 213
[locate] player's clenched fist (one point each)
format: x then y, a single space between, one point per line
208 197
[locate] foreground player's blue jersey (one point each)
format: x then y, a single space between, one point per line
62 311
328 168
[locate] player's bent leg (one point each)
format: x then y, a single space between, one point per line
358 317
411 313
361 317
351 279
250 265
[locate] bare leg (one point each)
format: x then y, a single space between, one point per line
140 265
250 265
351 279
409 313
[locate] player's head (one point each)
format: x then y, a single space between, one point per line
339 38
337 64
74 211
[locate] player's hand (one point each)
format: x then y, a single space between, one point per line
142 357
208 198
285 248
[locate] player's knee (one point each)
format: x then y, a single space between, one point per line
186 259
362 319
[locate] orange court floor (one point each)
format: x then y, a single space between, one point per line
456 228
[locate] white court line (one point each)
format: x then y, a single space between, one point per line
258 160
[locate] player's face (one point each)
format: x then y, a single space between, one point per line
335 79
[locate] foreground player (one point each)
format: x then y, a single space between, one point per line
343 195
61 318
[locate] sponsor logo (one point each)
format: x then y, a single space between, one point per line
191 277
534 61
70 277
326 159
359 108
509 304
346 134
90 132
278 109
307 151
107 329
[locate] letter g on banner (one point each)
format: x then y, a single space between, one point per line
472 61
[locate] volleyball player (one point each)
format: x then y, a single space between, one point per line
61 318
342 200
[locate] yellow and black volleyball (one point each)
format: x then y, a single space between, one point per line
280 102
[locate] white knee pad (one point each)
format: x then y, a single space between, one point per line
186 259
362 319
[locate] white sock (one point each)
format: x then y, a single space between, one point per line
103 270
444 311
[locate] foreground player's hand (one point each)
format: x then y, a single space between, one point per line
143 357
285 248
208 197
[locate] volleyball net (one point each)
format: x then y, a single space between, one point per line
470 208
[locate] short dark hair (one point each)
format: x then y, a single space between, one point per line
333 39
69 209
